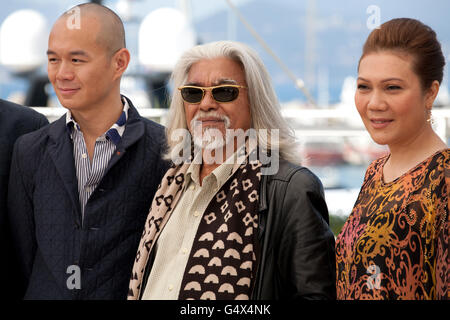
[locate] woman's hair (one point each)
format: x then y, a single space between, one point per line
264 105
412 37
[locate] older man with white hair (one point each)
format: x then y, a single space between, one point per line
235 217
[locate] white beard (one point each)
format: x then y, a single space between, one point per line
209 137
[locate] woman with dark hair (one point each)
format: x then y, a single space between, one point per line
395 243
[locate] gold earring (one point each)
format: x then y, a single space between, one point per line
430 117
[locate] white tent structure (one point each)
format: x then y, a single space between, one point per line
164 35
23 41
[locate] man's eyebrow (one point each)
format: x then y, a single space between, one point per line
225 81
215 83
72 53
193 83
79 53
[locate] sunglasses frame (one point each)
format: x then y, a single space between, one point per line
204 89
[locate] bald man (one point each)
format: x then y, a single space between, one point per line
81 188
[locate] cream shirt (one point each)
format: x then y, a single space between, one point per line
174 245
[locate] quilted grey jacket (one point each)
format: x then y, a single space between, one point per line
59 257
15 120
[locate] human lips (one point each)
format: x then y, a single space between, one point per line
380 123
210 120
67 90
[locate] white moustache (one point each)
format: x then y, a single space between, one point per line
212 114
208 137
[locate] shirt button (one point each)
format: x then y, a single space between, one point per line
196 214
84 155
170 287
192 187
184 251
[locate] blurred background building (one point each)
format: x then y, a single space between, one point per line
310 47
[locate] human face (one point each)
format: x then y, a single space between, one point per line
390 99
80 70
210 113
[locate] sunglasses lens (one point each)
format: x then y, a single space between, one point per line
225 93
192 95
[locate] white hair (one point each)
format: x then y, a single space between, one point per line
264 105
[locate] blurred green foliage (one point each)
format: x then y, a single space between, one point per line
336 224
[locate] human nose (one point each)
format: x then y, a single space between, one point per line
64 72
208 102
376 101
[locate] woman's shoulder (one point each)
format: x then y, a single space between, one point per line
439 160
375 167
379 162
445 154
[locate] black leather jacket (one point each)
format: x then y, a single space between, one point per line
297 257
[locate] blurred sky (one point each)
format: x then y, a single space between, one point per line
200 8
340 29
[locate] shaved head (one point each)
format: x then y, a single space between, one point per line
87 57
110 33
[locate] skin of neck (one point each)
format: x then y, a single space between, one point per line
408 154
96 120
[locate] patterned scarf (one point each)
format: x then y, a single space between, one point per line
222 260
225 241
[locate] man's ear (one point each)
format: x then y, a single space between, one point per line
120 61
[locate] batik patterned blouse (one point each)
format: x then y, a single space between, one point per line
395 243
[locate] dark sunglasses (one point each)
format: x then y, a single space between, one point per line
222 93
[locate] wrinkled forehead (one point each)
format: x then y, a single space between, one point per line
210 72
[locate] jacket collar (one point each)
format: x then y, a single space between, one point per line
263 193
284 173
134 128
60 149
114 133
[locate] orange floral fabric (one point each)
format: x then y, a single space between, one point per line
395 243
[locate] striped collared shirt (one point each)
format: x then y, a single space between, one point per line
90 173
